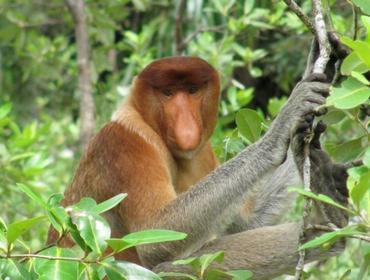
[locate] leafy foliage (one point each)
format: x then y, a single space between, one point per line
257 47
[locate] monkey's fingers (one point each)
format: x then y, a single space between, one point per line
316 77
340 177
318 130
320 111
339 50
353 163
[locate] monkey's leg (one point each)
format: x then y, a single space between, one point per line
268 252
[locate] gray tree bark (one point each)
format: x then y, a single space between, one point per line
87 106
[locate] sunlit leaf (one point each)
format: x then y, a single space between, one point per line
240 274
174 275
320 197
108 204
367 157
93 229
363 186
11 269
144 237
16 229
363 5
58 269
207 259
86 203
350 94
353 63
249 124
361 48
33 195
128 271
330 236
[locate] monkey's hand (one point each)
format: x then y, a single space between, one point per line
305 99
327 177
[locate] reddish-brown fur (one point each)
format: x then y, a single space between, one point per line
156 146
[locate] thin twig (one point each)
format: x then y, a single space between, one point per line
292 5
355 21
219 28
16 256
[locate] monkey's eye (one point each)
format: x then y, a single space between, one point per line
193 89
167 92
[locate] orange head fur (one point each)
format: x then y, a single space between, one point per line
178 97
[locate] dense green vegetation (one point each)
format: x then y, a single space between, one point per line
258 47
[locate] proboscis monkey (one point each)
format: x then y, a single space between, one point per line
156 149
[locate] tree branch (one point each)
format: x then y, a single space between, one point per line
322 38
292 5
87 107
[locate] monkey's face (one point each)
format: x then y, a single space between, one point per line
179 99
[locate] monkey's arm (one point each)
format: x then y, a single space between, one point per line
205 209
272 201
272 250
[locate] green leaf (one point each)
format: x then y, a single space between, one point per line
16 229
91 272
334 116
320 197
353 63
366 22
360 77
362 49
363 5
144 237
57 269
33 195
248 6
366 159
128 271
108 204
3 226
5 110
330 237
240 274
93 229
346 151
55 199
359 191
58 217
86 203
187 261
275 104
345 275
207 259
350 94
180 275
10 269
201 263
249 124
